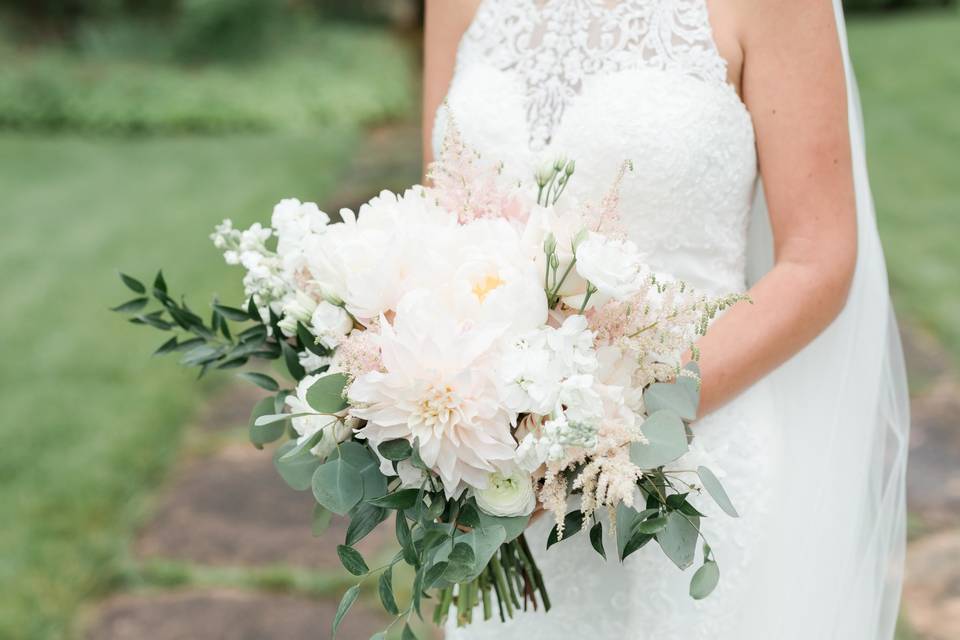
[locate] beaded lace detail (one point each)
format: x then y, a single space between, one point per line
554 45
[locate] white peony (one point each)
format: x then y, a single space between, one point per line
334 428
614 267
330 324
437 388
372 258
507 494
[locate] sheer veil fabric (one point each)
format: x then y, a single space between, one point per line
822 559
841 529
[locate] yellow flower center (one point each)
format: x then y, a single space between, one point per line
485 285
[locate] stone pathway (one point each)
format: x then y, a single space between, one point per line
931 598
226 509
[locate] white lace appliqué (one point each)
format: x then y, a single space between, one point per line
553 45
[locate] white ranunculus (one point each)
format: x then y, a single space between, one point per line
298 308
334 429
330 323
614 267
507 494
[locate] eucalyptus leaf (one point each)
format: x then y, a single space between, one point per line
713 486
337 485
367 463
292 361
705 580
636 542
408 633
260 379
402 499
405 539
572 523
395 450
666 441
345 603
652 525
231 313
596 539
671 396
462 553
352 561
326 394
385 591
512 525
133 284
167 347
297 469
131 306
309 341
263 434
679 538
365 519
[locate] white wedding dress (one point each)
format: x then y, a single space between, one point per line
606 81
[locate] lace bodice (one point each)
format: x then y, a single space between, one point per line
606 81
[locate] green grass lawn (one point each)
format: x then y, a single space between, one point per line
90 422
909 74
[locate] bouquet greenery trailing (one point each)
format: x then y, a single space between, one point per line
464 356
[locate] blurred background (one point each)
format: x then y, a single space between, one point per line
131 504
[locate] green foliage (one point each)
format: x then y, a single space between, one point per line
317 76
224 29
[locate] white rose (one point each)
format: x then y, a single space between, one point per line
614 267
300 308
507 495
330 323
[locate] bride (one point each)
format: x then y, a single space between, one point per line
804 405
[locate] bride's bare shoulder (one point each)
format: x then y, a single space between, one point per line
451 16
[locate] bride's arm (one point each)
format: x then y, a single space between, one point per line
793 83
444 24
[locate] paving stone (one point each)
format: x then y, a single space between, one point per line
232 509
931 595
933 478
226 615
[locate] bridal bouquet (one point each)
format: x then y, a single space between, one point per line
463 356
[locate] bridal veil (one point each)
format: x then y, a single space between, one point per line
839 536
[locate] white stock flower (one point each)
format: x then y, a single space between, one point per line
614 267
507 494
295 223
330 324
334 429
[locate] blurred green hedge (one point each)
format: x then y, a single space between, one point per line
316 76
